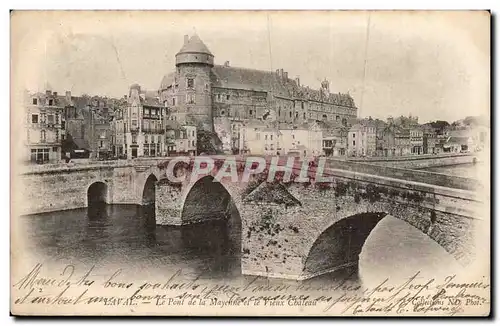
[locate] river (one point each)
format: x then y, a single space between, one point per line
126 235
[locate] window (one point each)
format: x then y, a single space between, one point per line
337 118
193 133
353 135
218 97
50 118
54 149
192 142
206 87
304 115
146 139
265 137
134 139
35 101
40 155
43 136
296 114
251 112
51 102
101 144
257 136
227 97
190 98
290 114
302 105
271 138
190 83
353 143
134 123
34 117
222 112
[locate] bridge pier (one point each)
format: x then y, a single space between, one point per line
168 203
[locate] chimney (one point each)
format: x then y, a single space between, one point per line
55 93
68 95
285 75
277 72
48 92
297 80
186 39
226 64
281 73
125 96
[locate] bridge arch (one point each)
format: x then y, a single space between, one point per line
207 200
149 190
211 208
97 193
341 242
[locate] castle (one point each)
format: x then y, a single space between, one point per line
199 92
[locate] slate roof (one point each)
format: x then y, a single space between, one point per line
249 79
195 45
151 101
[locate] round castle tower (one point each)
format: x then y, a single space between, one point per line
193 64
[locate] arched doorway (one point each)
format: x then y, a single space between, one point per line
213 229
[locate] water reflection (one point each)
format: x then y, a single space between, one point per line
128 234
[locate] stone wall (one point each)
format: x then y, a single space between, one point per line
420 161
386 170
49 191
305 240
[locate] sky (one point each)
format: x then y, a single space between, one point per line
434 65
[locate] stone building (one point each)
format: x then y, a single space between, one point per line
44 127
305 139
429 140
334 138
88 127
361 139
259 138
180 139
416 140
139 127
199 90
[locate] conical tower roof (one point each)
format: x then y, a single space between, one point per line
195 45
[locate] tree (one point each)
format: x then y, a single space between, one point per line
208 142
439 125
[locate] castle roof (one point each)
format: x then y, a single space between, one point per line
249 79
195 45
167 80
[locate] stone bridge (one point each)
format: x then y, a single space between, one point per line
294 230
